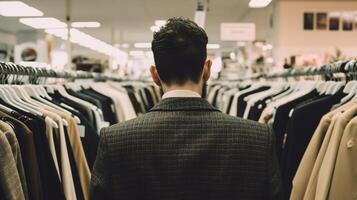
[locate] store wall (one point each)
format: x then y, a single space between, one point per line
291 38
7 38
262 19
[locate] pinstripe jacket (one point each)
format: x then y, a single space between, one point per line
184 148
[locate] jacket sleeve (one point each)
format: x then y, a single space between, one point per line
274 177
100 183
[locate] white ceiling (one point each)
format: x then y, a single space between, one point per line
130 20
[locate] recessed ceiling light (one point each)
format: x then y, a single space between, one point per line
259 3
18 9
43 22
85 24
142 45
213 46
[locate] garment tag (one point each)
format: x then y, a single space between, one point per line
82 131
104 124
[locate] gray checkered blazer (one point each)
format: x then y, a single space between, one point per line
186 149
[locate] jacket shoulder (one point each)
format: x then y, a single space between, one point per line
225 126
245 125
132 124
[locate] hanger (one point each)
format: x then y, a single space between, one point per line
73 86
64 93
11 97
3 94
30 91
23 95
351 86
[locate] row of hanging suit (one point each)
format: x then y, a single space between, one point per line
315 126
49 134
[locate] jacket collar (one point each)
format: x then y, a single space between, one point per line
184 104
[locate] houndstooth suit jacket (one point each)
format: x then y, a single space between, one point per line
186 149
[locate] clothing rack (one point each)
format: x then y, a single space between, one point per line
37 73
349 68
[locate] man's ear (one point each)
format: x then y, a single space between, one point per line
207 70
155 76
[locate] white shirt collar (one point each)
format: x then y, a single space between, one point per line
181 93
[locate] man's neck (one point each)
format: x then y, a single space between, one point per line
191 87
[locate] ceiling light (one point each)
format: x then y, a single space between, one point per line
43 22
259 3
154 28
213 46
88 41
142 45
61 33
160 23
85 24
18 9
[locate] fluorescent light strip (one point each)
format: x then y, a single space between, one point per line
142 45
213 46
88 41
85 24
259 3
43 22
18 9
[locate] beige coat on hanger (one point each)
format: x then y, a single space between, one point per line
344 179
303 184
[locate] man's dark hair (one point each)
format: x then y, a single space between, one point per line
180 51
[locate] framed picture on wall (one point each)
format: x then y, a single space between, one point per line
347 21
308 21
334 21
321 21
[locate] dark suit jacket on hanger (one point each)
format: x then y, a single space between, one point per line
184 148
